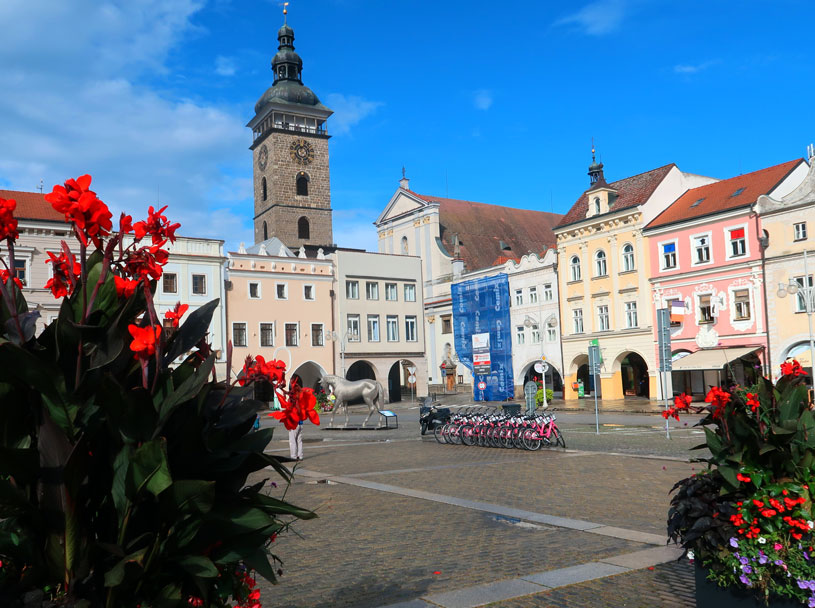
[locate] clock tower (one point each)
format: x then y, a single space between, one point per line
290 154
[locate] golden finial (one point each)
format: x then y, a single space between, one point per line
285 11
592 149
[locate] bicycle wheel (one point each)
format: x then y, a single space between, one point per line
531 439
517 438
438 432
467 434
559 440
454 434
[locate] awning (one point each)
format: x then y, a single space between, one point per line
713 358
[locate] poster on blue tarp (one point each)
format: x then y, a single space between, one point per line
483 335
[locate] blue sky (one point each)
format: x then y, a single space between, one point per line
478 100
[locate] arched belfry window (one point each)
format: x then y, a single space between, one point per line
302 184
263 188
302 228
265 231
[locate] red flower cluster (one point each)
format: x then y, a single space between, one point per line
90 216
253 595
753 402
176 313
682 402
66 272
8 224
744 478
147 262
299 408
259 369
792 368
144 340
719 399
125 287
769 507
157 226
5 274
195 601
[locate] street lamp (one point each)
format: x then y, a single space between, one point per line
335 336
807 292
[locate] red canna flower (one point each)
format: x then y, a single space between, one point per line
683 401
90 216
144 340
176 313
753 402
66 271
5 274
157 226
147 261
195 601
125 287
792 368
8 224
719 399
125 224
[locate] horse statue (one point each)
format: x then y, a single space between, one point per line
371 392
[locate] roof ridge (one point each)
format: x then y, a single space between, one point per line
654 170
743 175
431 198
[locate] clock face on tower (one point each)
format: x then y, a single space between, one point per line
302 152
263 157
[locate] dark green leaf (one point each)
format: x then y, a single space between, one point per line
149 469
116 575
191 331
187 495
198 565
188 389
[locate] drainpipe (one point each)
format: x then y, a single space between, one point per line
333 294
560 329
764 242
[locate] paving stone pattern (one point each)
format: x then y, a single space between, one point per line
666 586
370 548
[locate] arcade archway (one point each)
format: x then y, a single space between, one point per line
399 387
360 370
634 375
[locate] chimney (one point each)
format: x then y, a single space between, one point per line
404 183
458 268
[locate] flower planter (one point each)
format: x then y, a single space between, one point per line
710 595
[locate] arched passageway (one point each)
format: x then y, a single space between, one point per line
634 376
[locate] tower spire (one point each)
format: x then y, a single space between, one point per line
285 12
596 177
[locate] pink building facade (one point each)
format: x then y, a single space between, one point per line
706 267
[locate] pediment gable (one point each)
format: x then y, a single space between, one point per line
402 203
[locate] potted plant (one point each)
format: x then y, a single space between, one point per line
123 461
747 519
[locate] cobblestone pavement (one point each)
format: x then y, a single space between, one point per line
667 586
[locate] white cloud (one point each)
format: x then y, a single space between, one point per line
74 103
693 69
224 66
348 111
482 99
598 18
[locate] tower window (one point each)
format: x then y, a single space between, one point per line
265 231
302 184
263 188
302 228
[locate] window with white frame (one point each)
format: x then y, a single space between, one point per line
738 244
254 290
391 292
267 334
199 284
551 334
533 295
800 300
317 334
705 308
410 328
352 323
292 335
392 328
447 324
628 257
574 268
372 290
577 320
520 337
373 328
701 249
519 297
21 270
741 304
352 290
600 266
308 292
410 293
281 291
800 231
536 334
631 314
602 318
548 293
239 334
169 282
668 255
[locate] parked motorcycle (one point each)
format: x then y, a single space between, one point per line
431 416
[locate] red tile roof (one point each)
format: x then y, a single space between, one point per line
32 206
720 196
481 228
631 191
503 259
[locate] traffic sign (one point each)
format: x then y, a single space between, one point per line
411 370
539 367
543 357
411 378
544 367
482 385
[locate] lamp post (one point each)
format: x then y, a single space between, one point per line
807 291
335 336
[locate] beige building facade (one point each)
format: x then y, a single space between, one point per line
603 268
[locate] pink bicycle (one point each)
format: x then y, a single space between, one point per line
543 431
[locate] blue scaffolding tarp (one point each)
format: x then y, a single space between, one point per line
481 316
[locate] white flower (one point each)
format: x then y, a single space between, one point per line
811 524
690 555
761 540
